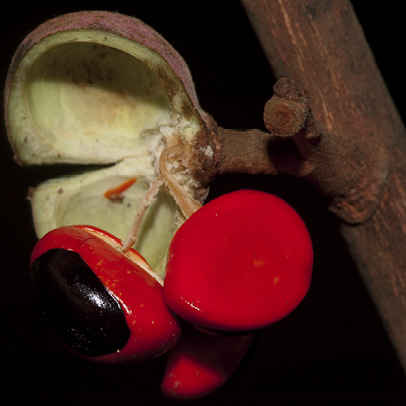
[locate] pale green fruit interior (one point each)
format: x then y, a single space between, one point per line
81 199
76 100
93 97
116 217
82 96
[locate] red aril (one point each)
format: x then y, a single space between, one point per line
200 363
241 262
101 303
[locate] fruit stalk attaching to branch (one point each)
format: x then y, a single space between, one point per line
297 144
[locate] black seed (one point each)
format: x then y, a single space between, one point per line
76 304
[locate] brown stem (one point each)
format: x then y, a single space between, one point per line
354 177
321 46
245 152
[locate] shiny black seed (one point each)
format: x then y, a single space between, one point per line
76 304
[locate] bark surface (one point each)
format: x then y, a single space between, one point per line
350 137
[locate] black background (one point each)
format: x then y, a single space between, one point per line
331 350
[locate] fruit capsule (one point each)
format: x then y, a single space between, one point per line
104 305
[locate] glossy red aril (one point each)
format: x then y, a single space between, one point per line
200 363
241 262
103 304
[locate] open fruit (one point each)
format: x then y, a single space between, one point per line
101 303
101 88
241 262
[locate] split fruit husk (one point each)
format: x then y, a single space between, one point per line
101 88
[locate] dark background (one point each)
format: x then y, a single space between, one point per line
331 350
